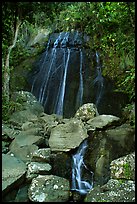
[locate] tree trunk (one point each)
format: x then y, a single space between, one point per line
7 66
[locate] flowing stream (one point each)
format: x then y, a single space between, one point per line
79 184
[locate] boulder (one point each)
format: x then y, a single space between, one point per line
123 167
22 194
24 153
61 163
24 140
41 155
102 121
65 137
49 122
122 140
36 168
86 112
49 188
24 145
105 146
28 102
13 172
20 117
113 191
9 132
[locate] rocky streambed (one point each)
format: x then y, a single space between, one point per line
37 151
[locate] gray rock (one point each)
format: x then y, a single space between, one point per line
123 136
105 146
20 117
67 136
13 172
27 125
22 194
101 121
41 155
36 168
113 191
49 188
86 112
24 140
8 132
24 152
49 122
123 167
28 102
61 163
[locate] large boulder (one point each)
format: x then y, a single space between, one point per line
27 102
24 153
123 167
13 172
20 117
86 112
49 188
24 145
121 185
113 191
65 137
105 146
102 121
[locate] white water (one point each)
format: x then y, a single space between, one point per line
60 103
44 85
78 184
80 90
99 80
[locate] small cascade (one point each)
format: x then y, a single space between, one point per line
80 184
98 81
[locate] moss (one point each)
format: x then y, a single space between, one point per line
127 170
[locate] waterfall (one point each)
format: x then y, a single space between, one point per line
60 102
98 81
59 75
79 101
44 84
78 165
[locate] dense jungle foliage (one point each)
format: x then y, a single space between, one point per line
110 26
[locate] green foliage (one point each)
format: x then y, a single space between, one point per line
127 170
129 114
9 108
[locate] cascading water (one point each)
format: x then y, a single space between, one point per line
60 102
98 81
79 101
59 74
80 184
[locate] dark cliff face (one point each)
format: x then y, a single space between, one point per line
68 75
